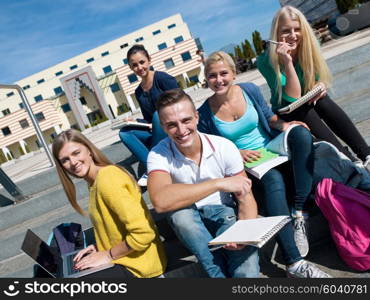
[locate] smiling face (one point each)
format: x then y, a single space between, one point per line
140 64
179 121
290 32
76 159
220 77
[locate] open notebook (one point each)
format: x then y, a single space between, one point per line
274 154
118 124
254 232
300 101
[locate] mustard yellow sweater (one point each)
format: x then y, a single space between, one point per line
118 214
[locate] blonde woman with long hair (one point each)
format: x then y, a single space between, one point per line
294 66
124 231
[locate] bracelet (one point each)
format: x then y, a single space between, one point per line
110 254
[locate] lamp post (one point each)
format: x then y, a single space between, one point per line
32 117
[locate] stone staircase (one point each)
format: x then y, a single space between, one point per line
48 206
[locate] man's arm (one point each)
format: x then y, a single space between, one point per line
247 208
168 196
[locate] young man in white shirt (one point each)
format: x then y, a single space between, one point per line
192 177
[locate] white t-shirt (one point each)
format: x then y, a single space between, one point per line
220 158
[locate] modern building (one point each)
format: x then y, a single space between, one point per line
314 10
94 86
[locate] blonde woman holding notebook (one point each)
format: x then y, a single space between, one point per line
239 113
124 232
292 67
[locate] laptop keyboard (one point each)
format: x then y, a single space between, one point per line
70 264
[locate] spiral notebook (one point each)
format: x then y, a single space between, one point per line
254 232
300 101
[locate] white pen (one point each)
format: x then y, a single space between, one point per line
273 42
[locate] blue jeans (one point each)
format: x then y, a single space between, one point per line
272 187
141 141
196 227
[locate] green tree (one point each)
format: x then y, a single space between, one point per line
2 157
345 5
248 51
238 52
257 42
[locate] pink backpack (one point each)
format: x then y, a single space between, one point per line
347 211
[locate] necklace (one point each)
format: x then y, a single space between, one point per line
235 117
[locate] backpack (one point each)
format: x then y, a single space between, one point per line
64 238
347 211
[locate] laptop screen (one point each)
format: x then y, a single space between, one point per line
41 252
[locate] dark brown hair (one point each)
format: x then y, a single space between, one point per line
173 96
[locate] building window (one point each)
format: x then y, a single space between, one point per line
139 39
10 94
107 69
162 46
21 105
6 131
83 101
73 67
6 111
178 39
169 63
186 56
40 81
65 107
40 116
59 73
171 26
26 87
156 32
132 78
105 53
38 98
89 60
114 87
125 61
24 123
58 90
124 45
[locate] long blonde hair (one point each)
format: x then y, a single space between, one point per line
310 58
72 135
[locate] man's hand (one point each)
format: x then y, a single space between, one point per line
239 185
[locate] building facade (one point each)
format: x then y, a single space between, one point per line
95 86
314 10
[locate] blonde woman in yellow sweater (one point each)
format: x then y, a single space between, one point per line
124 232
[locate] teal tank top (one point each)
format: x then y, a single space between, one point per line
246 132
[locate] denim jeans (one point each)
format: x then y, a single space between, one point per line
141 141
196 227
298 178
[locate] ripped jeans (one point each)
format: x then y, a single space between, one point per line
195 227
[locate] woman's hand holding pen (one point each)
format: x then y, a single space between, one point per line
283 50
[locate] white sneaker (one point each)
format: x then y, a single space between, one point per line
143 180
304 269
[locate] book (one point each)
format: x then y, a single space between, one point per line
254 232
118 124
274 153
300 101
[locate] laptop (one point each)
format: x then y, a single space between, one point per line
58 266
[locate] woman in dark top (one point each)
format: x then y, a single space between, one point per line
153 84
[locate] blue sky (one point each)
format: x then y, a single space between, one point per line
37 34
